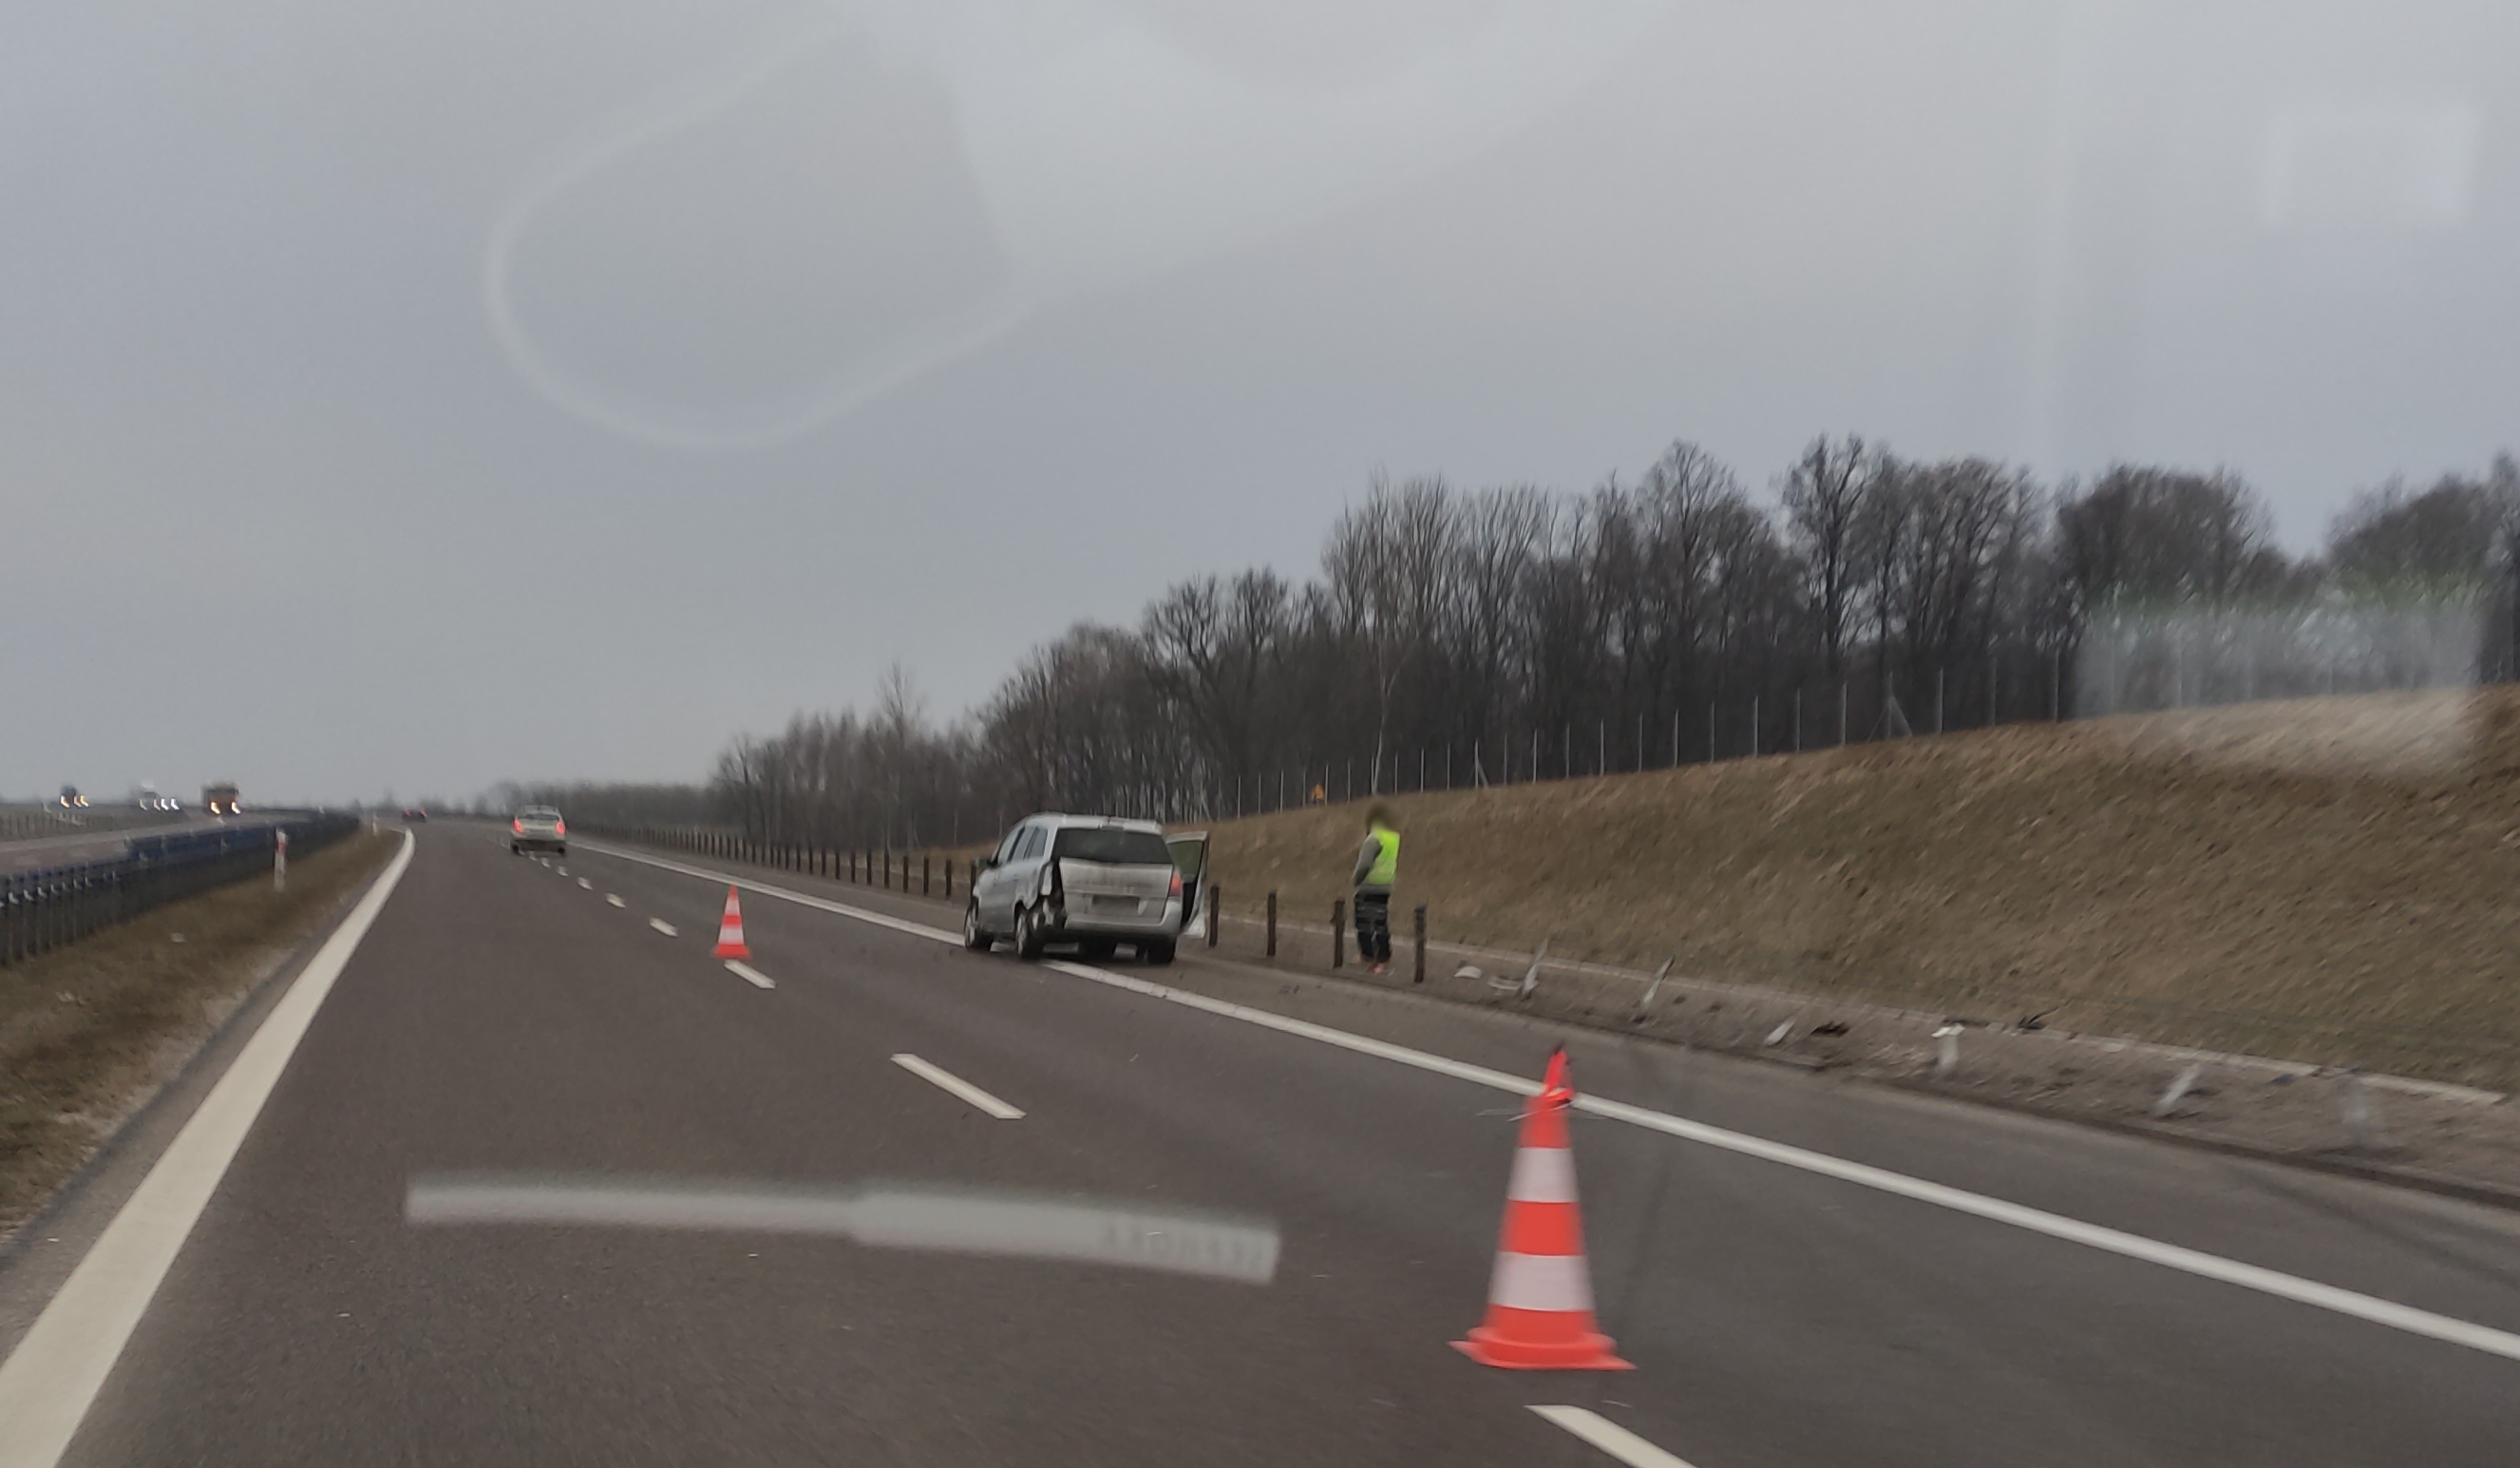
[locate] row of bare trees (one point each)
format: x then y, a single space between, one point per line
1455 637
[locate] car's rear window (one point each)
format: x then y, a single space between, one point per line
1118 848
539 814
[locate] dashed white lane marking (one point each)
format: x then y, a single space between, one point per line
563 871
749 975
48 1382
614 898
584 883
2310 1292
1610 1438
947 1080
666 928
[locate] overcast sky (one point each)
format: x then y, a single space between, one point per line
414 395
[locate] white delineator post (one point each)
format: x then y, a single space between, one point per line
279 861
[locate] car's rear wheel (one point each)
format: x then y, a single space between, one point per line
563 850
1161 953
1028 936
974 938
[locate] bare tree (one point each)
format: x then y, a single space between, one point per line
1825 496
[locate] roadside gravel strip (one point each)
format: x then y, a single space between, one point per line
2193 1262
48 1382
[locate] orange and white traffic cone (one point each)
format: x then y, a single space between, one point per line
1539 1299
730 931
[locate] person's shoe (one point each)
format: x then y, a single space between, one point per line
1375 969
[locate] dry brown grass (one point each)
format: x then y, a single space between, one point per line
2328 880
89 1032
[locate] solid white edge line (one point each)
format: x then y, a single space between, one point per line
945 1079
749 975
2360 1306
48 1380
1610 1438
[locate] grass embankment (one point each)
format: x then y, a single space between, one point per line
2326 880
89 1032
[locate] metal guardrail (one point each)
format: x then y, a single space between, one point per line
922 868
41 910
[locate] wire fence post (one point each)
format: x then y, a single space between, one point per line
1215 911
1418 973
1338 934
1272 923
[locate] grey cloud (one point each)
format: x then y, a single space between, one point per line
282 507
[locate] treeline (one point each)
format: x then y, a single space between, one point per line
1453 637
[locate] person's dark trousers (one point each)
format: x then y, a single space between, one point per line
1374 927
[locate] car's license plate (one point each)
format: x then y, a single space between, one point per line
1115 904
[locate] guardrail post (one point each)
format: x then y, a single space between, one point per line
1272 923
1338 934
1215 911
1419 967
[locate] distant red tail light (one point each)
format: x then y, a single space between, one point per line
517 825
560 828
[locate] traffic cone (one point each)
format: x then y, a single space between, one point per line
730 931
1539 1299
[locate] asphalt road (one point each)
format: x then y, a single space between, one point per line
502 1015
39 852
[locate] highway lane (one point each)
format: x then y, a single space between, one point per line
502 1015
39 852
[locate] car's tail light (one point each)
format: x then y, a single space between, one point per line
517 825
1176 892
560 828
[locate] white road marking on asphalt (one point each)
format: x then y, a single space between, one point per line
2310 1292
666 928
48 1380
948 1081
1610 1438
614 898
749 975
563 871
583 882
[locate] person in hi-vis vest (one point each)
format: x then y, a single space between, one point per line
1377 866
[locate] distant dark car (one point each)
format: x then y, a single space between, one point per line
414 813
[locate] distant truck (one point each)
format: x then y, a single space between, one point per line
220 800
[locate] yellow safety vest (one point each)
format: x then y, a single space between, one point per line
1386 862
